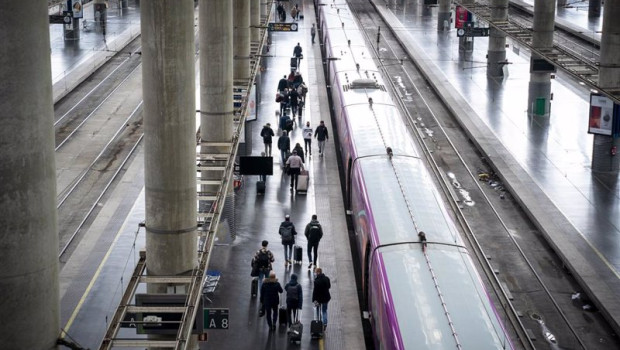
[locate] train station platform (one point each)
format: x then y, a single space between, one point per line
545 163
73 61
93 279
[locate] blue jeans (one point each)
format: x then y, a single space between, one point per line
261 274
288 252
283 154
324 313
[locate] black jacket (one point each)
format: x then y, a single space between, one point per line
320 292
282 84
297 51
267 134
300 153
285 224
270 292
284 143
321 133
315 237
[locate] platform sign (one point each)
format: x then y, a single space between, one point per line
283 27
471 31
601 117
215 318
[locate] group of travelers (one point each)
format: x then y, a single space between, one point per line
270 288
295 12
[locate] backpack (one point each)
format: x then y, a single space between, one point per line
315 231
289 124
287 233
293 293
262 260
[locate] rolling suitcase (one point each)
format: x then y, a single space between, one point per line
296 330
260 187
303 181
298 255
316 327
283 316
293 63
254 288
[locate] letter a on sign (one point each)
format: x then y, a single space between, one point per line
212 324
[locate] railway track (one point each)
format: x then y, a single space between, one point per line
532 290
98 129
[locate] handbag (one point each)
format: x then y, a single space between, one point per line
278 97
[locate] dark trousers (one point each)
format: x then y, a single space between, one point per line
308 145
311 247
271 313
292 314
294 175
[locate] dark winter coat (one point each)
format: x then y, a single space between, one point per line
320 292
267 134
286 224
282 84
321 133
270 292
292 301
284 143
297 51
300 152
312 235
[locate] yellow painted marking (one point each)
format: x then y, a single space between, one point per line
96 275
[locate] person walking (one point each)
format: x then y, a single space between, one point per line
313 233
287 234
320 294
270 299
294 13
307 133
312 32
284 145
294 101
297 53
267 135
300 152
282 84
294 298
322 135
262 261
296 165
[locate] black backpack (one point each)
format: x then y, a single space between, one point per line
287 233
315 232
293 292
262 260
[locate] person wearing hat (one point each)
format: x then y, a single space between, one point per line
295 165
262 260
294 298
267 135
287 234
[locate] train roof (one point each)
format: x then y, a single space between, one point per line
396 203
424 319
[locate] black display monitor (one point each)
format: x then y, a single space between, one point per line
256 165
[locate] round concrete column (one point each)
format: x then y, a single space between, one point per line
443 16
241 41
168 77
29 239
609 77
496 56
594 8
255 19
539 93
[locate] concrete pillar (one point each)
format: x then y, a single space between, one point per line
539 90
29 239
241 40
594 8
265 9
496 56
609 78
168 79
466 44
216 80
561 3
255 19
443 16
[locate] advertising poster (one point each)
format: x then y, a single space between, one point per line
461 17
601 115
77 8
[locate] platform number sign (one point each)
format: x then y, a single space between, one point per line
216 318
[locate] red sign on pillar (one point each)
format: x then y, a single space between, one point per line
462 16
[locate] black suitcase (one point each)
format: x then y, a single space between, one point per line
298 254
293 62
316 326
260 187
296 330
254 288
283 316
